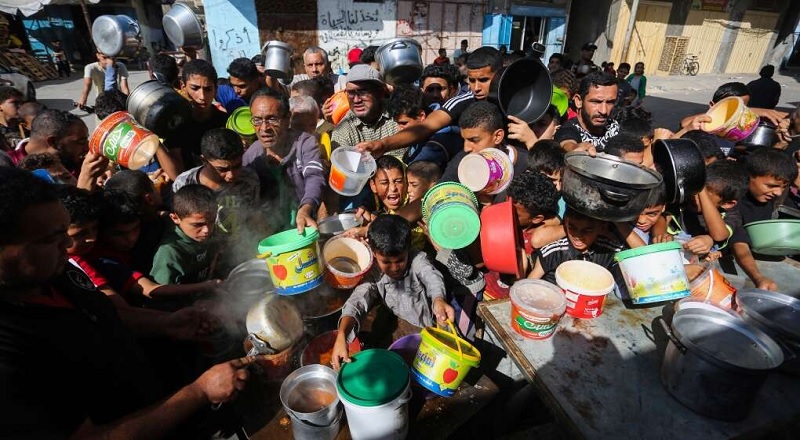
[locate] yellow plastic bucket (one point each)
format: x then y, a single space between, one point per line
293 260
443 360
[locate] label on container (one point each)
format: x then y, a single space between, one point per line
531 326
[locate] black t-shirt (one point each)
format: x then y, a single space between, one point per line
764 93
188 137
751 211
572 131
600 252
456 105
60 364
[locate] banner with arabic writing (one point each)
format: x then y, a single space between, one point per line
345 24
232 31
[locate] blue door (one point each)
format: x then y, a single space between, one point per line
555 36
497 30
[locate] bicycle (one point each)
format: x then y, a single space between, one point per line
690 65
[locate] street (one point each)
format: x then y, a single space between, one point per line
669 98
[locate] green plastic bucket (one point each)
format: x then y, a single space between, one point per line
451 212
239 121
293 260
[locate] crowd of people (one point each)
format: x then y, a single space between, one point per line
106 274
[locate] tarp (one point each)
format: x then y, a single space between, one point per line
30 7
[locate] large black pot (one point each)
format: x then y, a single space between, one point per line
765 135
523 89
158 108
606 187
681 164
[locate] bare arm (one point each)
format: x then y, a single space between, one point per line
714 222
632 239
87 84
745 259
167 163
538 272
436 121
123 86
340 353
144 286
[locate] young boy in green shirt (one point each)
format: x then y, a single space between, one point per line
187 253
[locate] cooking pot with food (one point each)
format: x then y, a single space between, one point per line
606 187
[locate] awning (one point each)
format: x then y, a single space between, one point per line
30 7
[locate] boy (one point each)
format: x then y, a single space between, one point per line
50 163
402 279
626 147
652 215
236 189
704 225
27 113
583 242
707 144
389 184
770 172
186 253
421 176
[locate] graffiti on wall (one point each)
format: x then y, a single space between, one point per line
232 31
345 24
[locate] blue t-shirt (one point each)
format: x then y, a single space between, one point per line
228 98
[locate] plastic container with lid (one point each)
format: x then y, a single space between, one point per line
375 390
654 273
536 308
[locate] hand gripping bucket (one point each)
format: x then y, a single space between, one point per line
443 360
346 261
586 286
119 138
654 273
731 119
490 171
350 170
451 212
293 260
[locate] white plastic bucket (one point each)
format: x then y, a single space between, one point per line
654 273
586 286
388 421
350 170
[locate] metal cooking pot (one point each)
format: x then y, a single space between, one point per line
311 386
250 278
320 302
183 27
765 135
400 61
606 187
336 224
275 321
715 364
682 167
778 315
158 107
116 35
277 59
523 89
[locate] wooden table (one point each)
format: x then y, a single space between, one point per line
434 418
601 378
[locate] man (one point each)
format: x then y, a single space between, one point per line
367 119
315 63
439 83
624 90
10 100
59 133
95 74
103 386
287 162
463 51
481 68
244 79
199 85
585 65
555 62
765 92
596 98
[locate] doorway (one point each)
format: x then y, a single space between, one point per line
526 31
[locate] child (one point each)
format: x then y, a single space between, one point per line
707 144
389 184
186 253
652 215
583 242
770 172
50 163
637 122
535 201
626 147
236 189
703 224
27 113
403 280
421 176
638 83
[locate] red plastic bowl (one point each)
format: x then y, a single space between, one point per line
323 344
500 238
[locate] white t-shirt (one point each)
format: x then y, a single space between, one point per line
98 75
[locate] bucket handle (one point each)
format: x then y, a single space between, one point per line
671 336
403 400
264 256
452 329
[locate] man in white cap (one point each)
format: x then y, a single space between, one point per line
367 119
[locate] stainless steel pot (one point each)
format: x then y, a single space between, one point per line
715 364
277 59
183 27
309 395
250 278
606 187
116 35
778 315
320 302
400 61
276 321
682 167
765 135
158 108
336 224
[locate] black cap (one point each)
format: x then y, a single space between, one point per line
589 46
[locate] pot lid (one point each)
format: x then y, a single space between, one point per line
726 340
613 170
374 377
775 311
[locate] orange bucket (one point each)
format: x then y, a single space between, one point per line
119 138
712 287
340 106
347 260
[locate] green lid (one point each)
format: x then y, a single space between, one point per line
287 241
374 377
239 121
644 250
454 225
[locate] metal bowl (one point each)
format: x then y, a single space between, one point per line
116 35
183 27
336 224
250 278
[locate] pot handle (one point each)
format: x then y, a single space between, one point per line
671 336
613 197
399 45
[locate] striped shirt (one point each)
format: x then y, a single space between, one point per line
600 252
456 105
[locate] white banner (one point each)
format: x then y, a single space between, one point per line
232 31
